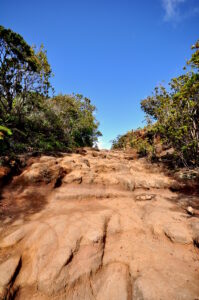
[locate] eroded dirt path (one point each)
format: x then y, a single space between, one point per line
97 226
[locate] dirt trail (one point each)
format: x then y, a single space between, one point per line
96 226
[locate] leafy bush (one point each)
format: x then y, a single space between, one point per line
4 131
176 112
173 116
31 119
141 140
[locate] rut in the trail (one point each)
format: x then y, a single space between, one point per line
96 226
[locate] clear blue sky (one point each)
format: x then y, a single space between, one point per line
112 51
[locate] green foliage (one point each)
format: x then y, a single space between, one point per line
36 121
143 147
60 123
173 116
119 142
5 134
4 130
141 140
76 114
176 112
22 70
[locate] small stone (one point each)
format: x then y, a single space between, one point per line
146 197
190 210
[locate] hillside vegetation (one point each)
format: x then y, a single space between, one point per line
31 120
94 224
172 116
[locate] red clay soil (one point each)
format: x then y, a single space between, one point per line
97 225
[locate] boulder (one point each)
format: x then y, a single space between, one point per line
178 233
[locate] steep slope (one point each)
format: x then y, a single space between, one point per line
96 225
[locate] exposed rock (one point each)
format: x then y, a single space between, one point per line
96 232
13 238
114 225
127 183
112 283
189 174
46 171
7 271
178 233
145 197
195 230
190 210
151 286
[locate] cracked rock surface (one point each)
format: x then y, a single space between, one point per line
96 226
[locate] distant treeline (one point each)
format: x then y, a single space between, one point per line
173 116
29 119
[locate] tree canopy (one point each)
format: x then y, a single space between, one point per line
22 70
174 113
29 119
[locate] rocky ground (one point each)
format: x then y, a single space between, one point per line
97 226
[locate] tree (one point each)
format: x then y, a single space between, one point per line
76 114
29 119
22 71
176 112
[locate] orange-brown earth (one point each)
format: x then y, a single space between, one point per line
97 226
